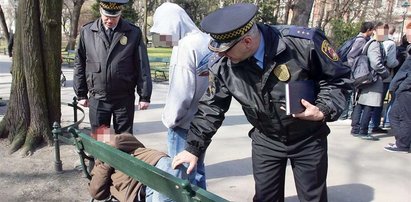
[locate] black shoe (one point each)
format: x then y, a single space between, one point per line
378 130
2 104
394 148
369 137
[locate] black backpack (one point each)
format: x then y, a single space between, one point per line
345 48
361 72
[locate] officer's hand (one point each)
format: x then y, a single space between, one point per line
311 113
83 102
143 105
185 157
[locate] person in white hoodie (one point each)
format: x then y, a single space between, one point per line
188 76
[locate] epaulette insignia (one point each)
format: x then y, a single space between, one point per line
329 51
301 32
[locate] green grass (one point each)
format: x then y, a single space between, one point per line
159 52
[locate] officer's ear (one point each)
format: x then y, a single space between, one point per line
249 41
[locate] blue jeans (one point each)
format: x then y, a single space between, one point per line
163 164
361 117
346 114
376 114
176 143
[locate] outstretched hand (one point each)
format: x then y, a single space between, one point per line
185 157
311 113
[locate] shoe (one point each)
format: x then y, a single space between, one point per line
378 130
394 148
355 134
369 137
2 104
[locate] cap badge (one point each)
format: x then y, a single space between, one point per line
123 40
282 72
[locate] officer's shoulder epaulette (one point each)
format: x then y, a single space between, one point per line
88 23
297 31
302 32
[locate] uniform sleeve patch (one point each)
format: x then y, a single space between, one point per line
329 51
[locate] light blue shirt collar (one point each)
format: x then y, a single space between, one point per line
259 55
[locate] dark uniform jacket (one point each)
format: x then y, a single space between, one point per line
402 80
112 71
306 54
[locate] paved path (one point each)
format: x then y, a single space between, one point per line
359 170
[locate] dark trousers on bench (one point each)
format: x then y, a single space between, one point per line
122 111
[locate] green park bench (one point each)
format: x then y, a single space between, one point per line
159 65
68 57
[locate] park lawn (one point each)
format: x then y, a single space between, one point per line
159 70
159 52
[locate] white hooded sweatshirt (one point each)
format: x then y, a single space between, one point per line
188 81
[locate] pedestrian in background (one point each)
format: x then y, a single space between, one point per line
400 113
390 49
370 96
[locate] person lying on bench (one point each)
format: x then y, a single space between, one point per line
107 182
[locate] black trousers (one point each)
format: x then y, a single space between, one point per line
122 111
400 120
309 162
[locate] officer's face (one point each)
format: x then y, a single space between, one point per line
110 22
237 53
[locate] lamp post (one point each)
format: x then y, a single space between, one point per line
405 5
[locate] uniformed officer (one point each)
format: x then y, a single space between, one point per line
111 62
257 61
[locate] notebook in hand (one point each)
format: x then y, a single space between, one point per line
295 91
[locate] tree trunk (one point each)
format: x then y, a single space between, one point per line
35 91
77 4
301 12
144 28
4 24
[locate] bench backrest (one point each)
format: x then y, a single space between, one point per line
159 59
173 187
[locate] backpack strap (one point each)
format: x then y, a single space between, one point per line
365 49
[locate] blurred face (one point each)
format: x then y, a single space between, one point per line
110 22
162 40
380 34
408 34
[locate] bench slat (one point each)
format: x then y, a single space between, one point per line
171 186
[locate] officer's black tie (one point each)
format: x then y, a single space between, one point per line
109 33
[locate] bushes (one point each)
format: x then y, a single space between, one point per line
343 31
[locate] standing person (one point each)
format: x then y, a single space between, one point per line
188 78
370 97
400 113
390 49
257 61
111 61
366 32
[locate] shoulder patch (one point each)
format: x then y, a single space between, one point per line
301 32
329 51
